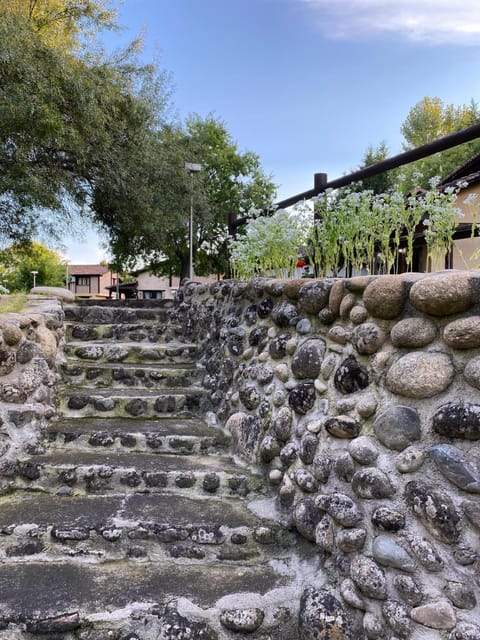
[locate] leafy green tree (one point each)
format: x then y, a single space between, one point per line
67 121
63 24
429 120
19 260
381 182
154 221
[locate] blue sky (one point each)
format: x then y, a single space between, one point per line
306 84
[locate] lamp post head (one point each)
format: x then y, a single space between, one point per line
192 167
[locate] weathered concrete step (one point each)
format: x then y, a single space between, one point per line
124 510
119 352
118 314
128 375
132 402
164 426
164 436
146 331
149 526
40 590
102 471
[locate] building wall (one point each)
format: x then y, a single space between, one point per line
464 250
146 281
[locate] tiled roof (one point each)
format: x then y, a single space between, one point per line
468 172
87 269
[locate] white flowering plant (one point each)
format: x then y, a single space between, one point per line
270 244
351 230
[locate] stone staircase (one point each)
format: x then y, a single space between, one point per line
133 519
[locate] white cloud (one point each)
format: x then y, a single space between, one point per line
428 21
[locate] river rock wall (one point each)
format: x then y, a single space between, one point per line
361 399
29 345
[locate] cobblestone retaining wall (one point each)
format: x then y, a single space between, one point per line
29 342
361 398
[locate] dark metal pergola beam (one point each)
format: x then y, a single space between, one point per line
320 179
442 144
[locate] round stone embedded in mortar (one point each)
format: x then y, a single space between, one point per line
366 406
282 424
363 450
458 420
322 617
397 617
471 372
278 346
304 327
347 304
349 593
245 620
435 615
367 338
413 333
368 577
285 314
11 333
443 294
358 314
313 296
372 484
420 375
342 426
385 296
335 297
426 553
408 590
398 427
7 361
463 333
302 398
351 376
307 361
435 509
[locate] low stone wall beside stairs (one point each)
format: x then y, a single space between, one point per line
361 400
29 343
353 511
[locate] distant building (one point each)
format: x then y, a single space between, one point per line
466 251
154 287
90 280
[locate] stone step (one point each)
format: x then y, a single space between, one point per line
146 331
97 375
104 471
147 403
97 314
130 352
38 590
164 435
151 526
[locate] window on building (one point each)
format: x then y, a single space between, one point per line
153 295
83 281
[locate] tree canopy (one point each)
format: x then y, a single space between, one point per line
229 180
83 132
427 121
66 120
19 260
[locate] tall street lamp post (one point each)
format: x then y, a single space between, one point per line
191 168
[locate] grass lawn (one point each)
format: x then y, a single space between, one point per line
13 303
